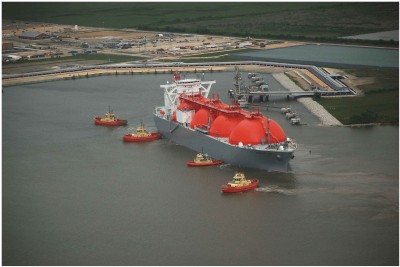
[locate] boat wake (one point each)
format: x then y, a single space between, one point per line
225 166
275 189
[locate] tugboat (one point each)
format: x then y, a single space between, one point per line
141 135
203 160
110 120
239 184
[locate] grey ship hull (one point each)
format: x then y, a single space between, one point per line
273 160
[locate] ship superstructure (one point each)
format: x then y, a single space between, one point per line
226 132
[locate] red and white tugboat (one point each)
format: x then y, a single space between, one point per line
239 184
110 120
203 160
141 135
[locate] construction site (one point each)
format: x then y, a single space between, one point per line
29 41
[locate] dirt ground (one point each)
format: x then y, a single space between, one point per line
44 66
112 34
352 81
282 45
15 27
303 84
73 38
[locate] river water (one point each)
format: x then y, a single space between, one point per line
75 194
331 55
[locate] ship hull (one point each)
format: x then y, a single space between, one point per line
135 139
237 189
272 160
118 122
195 164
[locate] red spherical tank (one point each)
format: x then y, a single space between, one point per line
184 106
277 134
223 126
253 131
201 118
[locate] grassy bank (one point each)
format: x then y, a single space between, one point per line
220 56
62 62
317 21
380 104
107 58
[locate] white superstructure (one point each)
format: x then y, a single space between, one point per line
184 86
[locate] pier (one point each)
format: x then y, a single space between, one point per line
298 93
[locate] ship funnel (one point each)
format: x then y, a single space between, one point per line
177 76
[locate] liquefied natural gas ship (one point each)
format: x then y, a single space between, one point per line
225 132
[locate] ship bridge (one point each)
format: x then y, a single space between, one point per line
172 91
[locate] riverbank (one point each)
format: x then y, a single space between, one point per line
77 74
324 116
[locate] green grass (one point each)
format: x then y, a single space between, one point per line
384 79
221 56
381 108
289 20
109 58
379 105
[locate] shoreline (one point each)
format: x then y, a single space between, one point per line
315 108
278 73
78 74
371 124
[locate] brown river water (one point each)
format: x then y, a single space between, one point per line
75 194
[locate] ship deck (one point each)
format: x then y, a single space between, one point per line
288 146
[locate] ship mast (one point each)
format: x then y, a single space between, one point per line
237 78
268 132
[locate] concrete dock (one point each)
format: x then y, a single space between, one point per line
314 107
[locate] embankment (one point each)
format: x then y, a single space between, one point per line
324 116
